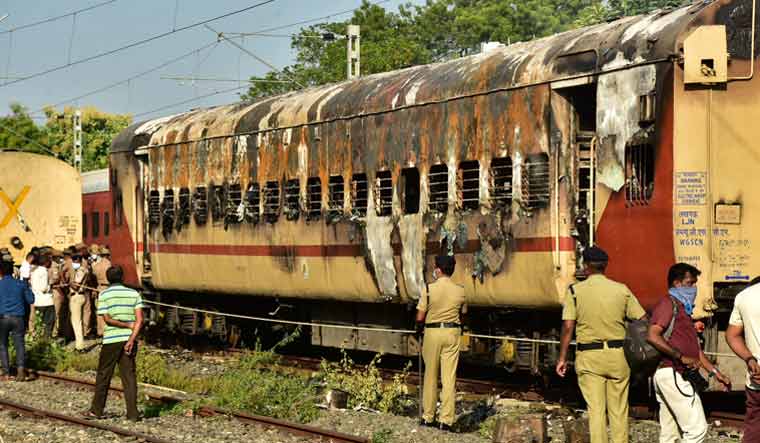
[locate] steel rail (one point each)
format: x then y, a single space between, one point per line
29 410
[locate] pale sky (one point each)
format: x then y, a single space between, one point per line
32 50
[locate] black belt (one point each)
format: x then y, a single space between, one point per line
443 325
611 344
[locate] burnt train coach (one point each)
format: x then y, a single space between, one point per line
331 202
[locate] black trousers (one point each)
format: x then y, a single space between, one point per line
110 355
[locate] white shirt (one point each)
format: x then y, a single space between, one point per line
746 314
25 271
40 287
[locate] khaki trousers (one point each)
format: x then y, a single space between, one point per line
88 312
59 302
603 376
101 319
76 304
440 350
682 417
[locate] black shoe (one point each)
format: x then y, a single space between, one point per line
445 427
429 424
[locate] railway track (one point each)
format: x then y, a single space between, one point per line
268 422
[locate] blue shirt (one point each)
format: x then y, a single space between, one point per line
15 295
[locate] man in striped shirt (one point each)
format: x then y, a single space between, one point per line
121 309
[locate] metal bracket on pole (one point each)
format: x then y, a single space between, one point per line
78 140
353 52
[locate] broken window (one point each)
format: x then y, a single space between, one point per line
535 181
410 185
252 203
438 181
117 208
154 208
271 201
313 198
383 193
469 184
639 174
183 212
217 202
167 212
335 197
233 213
292 199
200 205
501 182
359 194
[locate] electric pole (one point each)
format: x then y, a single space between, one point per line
78 140
353 43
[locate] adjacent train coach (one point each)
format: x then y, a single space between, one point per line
328 204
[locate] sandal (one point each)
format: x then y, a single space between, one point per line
89 415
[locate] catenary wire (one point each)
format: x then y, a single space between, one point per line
190 100
58 17
39 145
134 44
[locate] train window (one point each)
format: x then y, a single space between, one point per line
292 199
383 193
336 194
271 201
535 181
183 214
84 225
410 185
106 224
117 205
154 208
95 224
359 194
167 212
468 189
252 203
233 213
217 202
200 205
501 182
438 182
313 198
639 174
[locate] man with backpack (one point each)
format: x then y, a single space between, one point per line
677 380
596 309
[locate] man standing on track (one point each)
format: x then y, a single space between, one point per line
121 309
596 309
440 310
77 299
15 299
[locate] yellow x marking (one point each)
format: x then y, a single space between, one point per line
12 205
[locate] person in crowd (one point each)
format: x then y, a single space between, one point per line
681 416
43 297
55 278
15 299
88 309
99 268
596 309
440 310
121 309
77 300
743 337
25 271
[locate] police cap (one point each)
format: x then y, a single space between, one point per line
595 254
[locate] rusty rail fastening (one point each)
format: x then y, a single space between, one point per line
29 410
280 425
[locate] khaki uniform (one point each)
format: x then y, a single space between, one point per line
442 302
77 303
600 307
99 269
88 309
56 279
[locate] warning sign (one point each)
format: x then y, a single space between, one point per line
691 188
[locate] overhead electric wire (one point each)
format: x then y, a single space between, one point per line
312 20
190 100
17 134
135 44
58 17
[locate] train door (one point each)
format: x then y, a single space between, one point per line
142 216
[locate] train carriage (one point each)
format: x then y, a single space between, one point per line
635 135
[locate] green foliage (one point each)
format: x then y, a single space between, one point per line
382 436
604 10
365 386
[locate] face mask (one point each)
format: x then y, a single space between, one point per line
686 295
76 265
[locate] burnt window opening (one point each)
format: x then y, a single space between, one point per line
84 225
106 224
95 224
167 212
410 185
200 205
217 202
469 184
535 181
252 203
336 197
271 201
233 212
639 174
154 208
501 182
438 182
359 194
383 193
117 209
183 209
292 199
313 198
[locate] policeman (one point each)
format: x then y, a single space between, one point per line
55 278
439 310
598 308
89 255
99 268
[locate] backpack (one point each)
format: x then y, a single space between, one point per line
642 357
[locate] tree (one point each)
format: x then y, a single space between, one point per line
604 10
18 131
